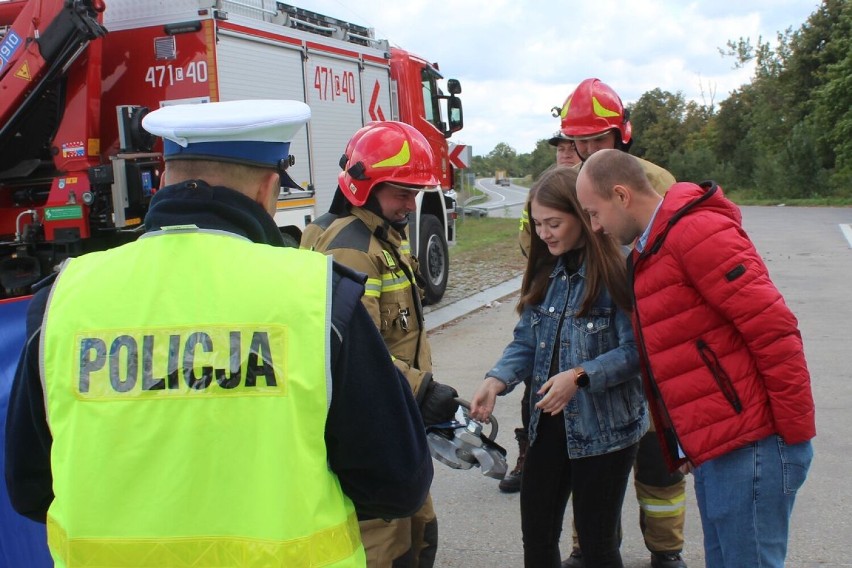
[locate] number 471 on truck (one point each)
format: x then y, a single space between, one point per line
77 170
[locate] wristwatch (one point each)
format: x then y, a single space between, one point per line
582 378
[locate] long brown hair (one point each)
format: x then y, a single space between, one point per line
605 263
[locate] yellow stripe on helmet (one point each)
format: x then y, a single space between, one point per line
564 112
400 159
601 110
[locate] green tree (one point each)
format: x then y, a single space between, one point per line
503 157
657 119
480 166
832 100
785 131
542 157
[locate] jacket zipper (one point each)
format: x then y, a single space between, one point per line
646 365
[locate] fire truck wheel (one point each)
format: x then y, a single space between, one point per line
434 258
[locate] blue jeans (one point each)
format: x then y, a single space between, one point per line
746 498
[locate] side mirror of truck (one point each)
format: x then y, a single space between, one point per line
455 115
454 86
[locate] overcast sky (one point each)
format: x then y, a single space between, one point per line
518 58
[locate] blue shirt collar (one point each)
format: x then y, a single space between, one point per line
643 238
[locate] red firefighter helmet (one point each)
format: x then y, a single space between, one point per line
344 159
592 109
387 151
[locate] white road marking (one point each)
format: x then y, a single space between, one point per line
847 232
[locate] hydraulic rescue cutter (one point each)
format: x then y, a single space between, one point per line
462 444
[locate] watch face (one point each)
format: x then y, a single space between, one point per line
583 380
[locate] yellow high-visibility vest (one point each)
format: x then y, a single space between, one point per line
187 383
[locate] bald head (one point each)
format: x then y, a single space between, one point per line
614 190
607 168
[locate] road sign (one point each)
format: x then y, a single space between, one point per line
460 155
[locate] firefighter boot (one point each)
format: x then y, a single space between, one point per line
667 560
511 482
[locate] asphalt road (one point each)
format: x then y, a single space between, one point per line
501 201
810 261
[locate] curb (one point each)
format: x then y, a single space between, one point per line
447 314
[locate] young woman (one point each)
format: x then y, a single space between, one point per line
588 412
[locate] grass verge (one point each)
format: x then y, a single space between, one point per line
490 242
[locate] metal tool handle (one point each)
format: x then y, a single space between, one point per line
492 420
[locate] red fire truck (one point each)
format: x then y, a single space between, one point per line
77 76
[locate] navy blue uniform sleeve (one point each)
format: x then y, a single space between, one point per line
28 478
374 434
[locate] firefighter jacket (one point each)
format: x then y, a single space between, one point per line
245 280
164 373
660 178
721 350
365 242
315 229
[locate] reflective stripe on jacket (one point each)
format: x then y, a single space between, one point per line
187 403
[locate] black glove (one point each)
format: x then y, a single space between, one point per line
437 402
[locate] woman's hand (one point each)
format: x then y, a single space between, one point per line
485 397
557 391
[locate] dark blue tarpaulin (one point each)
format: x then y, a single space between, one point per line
22 541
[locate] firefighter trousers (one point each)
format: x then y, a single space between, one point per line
411 542
661 496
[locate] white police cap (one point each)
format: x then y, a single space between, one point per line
252 132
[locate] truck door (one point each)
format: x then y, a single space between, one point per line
253 69
380 97
334 95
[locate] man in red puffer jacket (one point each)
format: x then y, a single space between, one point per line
724 366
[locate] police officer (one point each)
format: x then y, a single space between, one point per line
387 164
201 384
594 118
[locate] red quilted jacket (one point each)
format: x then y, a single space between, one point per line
722 354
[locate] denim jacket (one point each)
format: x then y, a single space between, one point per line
610 413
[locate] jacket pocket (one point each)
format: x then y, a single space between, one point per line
625 402
592 333
536 320
795 461
723 380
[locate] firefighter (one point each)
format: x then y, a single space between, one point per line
201 383
594 117
388 164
